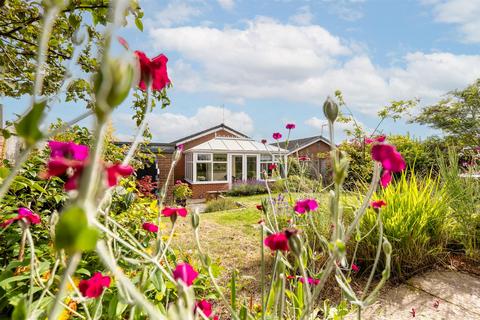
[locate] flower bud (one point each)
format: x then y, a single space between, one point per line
330 109
387 247
195 220
340 245
294 242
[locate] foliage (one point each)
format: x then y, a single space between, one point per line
146 186
360 162
221 204
457 116
416 220
249 188
464 194
182 191
19 38
295 183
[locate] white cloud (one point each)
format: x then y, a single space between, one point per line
340 127
267 59
346 9
463 13
227 4
169 126
176 13
303 16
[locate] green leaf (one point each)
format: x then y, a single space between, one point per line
28 126
73 232
20 311
4 172
139 24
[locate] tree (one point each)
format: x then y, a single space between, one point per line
20 27
458 115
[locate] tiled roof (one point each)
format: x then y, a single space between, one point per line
242 145
300 143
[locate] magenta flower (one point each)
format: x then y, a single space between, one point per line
290 126
186 273
93 287
305 205
116 171
264 141
153 70
150 227
391 160
311 281
123 42
277 136
69 150
303 158
277 241
272 166
259 207
170 211
378 204
378 139
205 306
23 214
355 268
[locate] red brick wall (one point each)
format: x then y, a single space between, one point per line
200 190
180 168
164 161
312 152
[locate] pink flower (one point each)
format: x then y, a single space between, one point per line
23 214
277 241
170 211
150 227
264 141
305 205
116 171
123 42
355 268
277 136
391 160
378 204
272 166
374 140
180 147
93 287
303 158
290 126
186 273
310 281
69 150
153 70
205 306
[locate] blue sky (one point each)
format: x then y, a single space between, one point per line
272 62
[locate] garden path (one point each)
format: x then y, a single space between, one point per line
433 295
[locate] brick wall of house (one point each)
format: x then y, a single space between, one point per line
200 190
319 166
180 167
164 161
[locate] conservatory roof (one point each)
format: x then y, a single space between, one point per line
241 145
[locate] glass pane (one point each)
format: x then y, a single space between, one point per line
266 157
237 168
204 157
219 172
264 167
220 157
252 167
204 171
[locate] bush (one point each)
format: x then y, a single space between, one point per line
221 204
416 221
296 183
464 193
249 188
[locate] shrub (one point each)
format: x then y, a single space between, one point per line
416 221
464 195
296 183
221 204
249 188
181 190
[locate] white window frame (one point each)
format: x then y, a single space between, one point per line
211 161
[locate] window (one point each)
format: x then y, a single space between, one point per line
266 165
211 167
251 167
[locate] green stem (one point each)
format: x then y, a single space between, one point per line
262 271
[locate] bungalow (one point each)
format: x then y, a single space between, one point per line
214 159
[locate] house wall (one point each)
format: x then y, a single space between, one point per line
180 167
319 166
164 161
199 191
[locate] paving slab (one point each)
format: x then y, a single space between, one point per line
437 295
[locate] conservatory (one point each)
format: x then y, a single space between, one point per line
226 160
